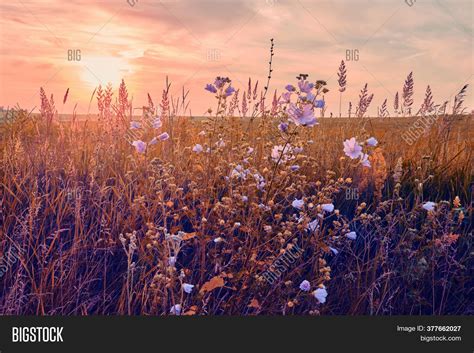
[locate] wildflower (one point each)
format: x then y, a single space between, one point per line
328 207
163 136
153 141
372 141
228 91
352 235
245 198
364 160
278 152
298 204
157 123
352 149
139 145
210 88
429 206
290 88
267 228
334 251
305 286
318 103
313 225
197 148
220 143
135 125
176 309
188 288
297 150
283 127
305 86
294 168
202 133
172 261
302 116
237 224
221 81
218 240
286 97
320 294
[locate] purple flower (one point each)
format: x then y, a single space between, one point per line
188 288
229 90
294 168
210 88
197 148
139 145
305 86
283 127
352 149
135 125
320 294
305 286
302 116
176 309
290 88
153 141
319 103
219 82
327 207
285 97
163 136
372 141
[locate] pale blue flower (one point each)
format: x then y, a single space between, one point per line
298 204
188 288
140 146
372 141
327 207
320 294
305 286
429 206
135 125
163 136
352 149
351 235
210 88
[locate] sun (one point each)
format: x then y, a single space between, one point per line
103 70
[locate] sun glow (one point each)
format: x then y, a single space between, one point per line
104 70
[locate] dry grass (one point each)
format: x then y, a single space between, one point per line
69 190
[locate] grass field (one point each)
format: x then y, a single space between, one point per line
229 215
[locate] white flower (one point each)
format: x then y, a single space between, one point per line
237 224
220 143
429 206
172 261
176 309
372 141
249 150
218 240
298 204
320 294
188 288
352 235
364 160
202 133
305 286
313 225
328 207
334 251
352 149
197 148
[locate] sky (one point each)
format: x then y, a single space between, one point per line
193 41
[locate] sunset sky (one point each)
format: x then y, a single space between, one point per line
192 41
